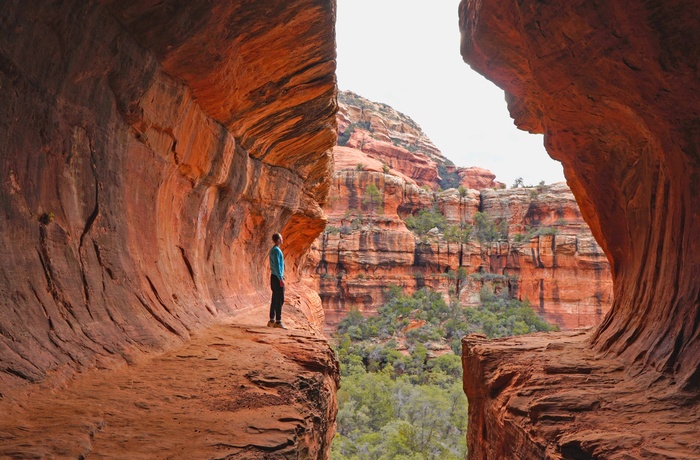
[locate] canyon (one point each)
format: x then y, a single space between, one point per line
614 89
141 181
150 149
545 253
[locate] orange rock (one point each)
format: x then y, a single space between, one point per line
565 277
616 96
148 154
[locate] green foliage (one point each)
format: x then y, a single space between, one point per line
385 168
447 179
547 231
487 231
344 137
519 182
457 234
410 404
331 230
500 316
360 167
535 231
426 220
373 197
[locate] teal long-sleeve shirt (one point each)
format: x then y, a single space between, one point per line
277 262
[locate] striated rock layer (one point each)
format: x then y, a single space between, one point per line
366 247
149 151
615 90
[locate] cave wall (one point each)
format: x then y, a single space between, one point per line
614 88
148 150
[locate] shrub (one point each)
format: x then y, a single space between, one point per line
426 220
487 230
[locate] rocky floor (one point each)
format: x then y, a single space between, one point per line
235 391
548 396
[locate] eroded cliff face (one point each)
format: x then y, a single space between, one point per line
546 254
149 150
614 88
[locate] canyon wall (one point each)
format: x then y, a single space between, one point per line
615 90
149 151
545 255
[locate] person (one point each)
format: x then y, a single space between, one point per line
276 283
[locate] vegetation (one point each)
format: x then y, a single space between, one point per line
373 198
409 404
447 179
487 231
533 232
426 220
344 137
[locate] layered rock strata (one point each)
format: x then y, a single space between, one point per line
209 398
367 246
556 398
149 151
395 140
615 91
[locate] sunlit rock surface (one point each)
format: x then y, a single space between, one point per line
366 248
615 90
149 151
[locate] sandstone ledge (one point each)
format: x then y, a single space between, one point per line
234 391
550 396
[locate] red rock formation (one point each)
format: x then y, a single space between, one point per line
394 139
477 178
210 398
149 150
566 277
614 88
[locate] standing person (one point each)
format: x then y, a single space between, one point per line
276 282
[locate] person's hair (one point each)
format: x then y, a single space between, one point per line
276 237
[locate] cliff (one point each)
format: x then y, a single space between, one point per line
545 254
615 91
149 151
394 139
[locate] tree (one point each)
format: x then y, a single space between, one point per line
373 198
426 220
486 229
519 182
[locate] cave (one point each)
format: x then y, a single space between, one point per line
137 202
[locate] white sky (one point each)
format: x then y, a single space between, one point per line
405 53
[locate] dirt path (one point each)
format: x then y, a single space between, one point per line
235 391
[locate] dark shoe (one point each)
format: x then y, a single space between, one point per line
271 323
280 325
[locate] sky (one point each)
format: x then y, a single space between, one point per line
405 53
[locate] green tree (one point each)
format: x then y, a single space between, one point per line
486 229
519 182
426 220
373 198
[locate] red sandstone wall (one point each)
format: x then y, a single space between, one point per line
147 153
565 277
615 89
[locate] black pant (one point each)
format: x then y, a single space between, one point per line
277 298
